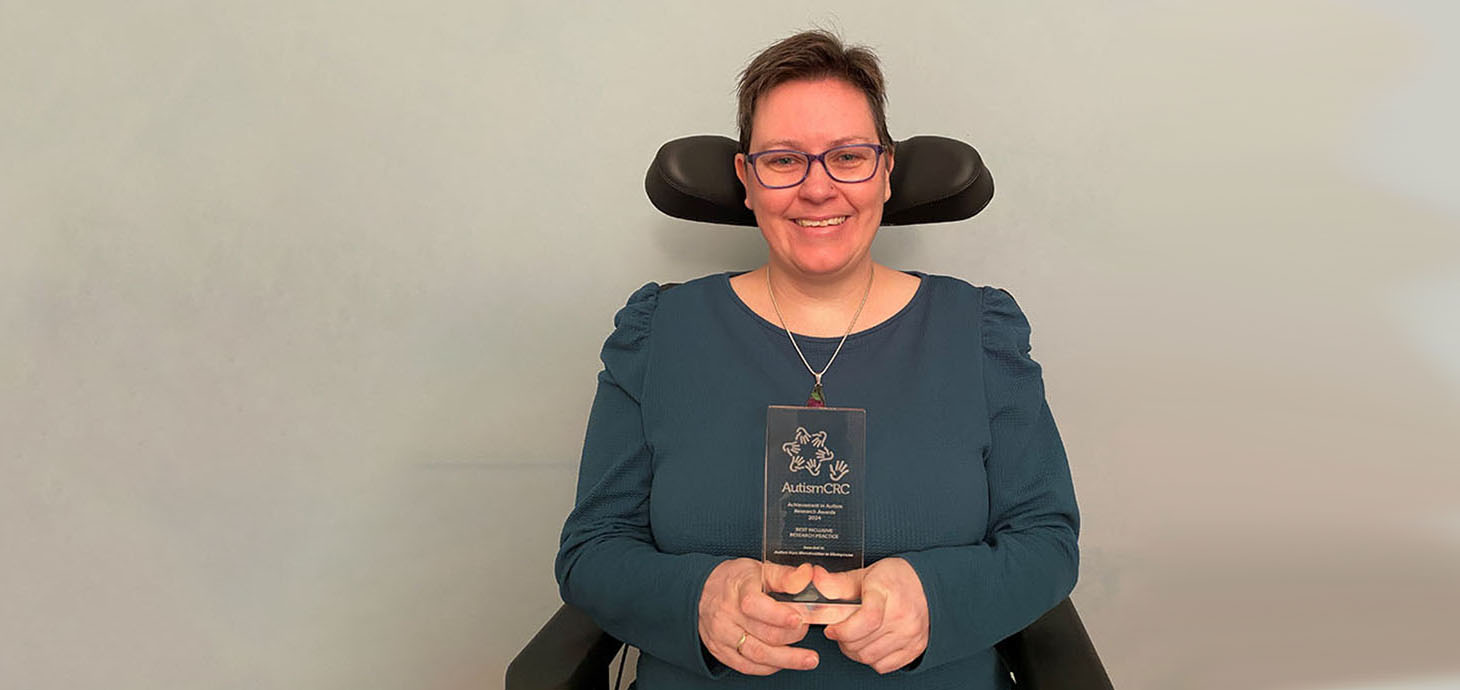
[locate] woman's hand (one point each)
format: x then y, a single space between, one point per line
890 629
747 630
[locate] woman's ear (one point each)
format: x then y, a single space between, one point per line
888 194
740 164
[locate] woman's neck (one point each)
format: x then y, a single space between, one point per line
824 306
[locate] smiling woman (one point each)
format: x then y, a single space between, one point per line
819 229
969 520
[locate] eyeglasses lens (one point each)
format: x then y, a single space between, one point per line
781 168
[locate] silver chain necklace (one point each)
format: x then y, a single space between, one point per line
818 398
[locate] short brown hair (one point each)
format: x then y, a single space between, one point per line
815 54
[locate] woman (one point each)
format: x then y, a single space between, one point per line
971 523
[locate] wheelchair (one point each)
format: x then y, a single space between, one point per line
936 180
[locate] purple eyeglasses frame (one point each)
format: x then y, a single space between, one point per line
815 157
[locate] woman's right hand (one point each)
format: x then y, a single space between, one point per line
747 630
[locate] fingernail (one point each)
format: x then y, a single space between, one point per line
809 662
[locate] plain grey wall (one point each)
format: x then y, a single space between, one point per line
301 303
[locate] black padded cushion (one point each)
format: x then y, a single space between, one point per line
934 180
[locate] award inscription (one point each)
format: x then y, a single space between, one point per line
814 546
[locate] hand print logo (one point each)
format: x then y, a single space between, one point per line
822 455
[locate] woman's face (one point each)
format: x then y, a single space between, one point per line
820 227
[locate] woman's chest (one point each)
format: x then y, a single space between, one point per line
925 484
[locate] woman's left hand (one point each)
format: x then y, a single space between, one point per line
890 629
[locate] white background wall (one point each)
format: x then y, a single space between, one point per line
300 305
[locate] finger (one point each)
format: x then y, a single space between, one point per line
843 585
722 645
784 578
759 607
747 578
720 635
797 579
741 575
896 660
859 647
876 647
771 574
778 656
775 634
867 619
856 651
733 659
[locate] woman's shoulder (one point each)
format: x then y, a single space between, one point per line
998 317
636 318
983 297
701 286
993 307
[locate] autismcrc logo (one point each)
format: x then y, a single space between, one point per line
822 455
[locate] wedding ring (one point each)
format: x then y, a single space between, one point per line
743 636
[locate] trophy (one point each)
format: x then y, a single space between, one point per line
815 477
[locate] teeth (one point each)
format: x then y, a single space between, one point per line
821 223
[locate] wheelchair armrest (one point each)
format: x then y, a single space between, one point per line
1054 653
568 653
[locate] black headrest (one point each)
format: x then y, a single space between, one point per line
934 180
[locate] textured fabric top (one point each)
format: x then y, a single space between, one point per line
966 476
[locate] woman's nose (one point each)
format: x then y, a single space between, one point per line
818 185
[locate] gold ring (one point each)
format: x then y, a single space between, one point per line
743 636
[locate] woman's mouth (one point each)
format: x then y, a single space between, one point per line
822 223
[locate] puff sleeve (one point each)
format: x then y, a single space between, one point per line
1029 559
607 562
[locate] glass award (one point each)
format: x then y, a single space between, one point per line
814 548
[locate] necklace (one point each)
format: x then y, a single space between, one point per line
817 398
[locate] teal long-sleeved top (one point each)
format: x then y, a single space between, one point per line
966 476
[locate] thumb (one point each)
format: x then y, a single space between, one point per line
784 578
843 585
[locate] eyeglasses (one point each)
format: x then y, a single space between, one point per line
782 168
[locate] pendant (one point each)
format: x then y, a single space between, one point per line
817 399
